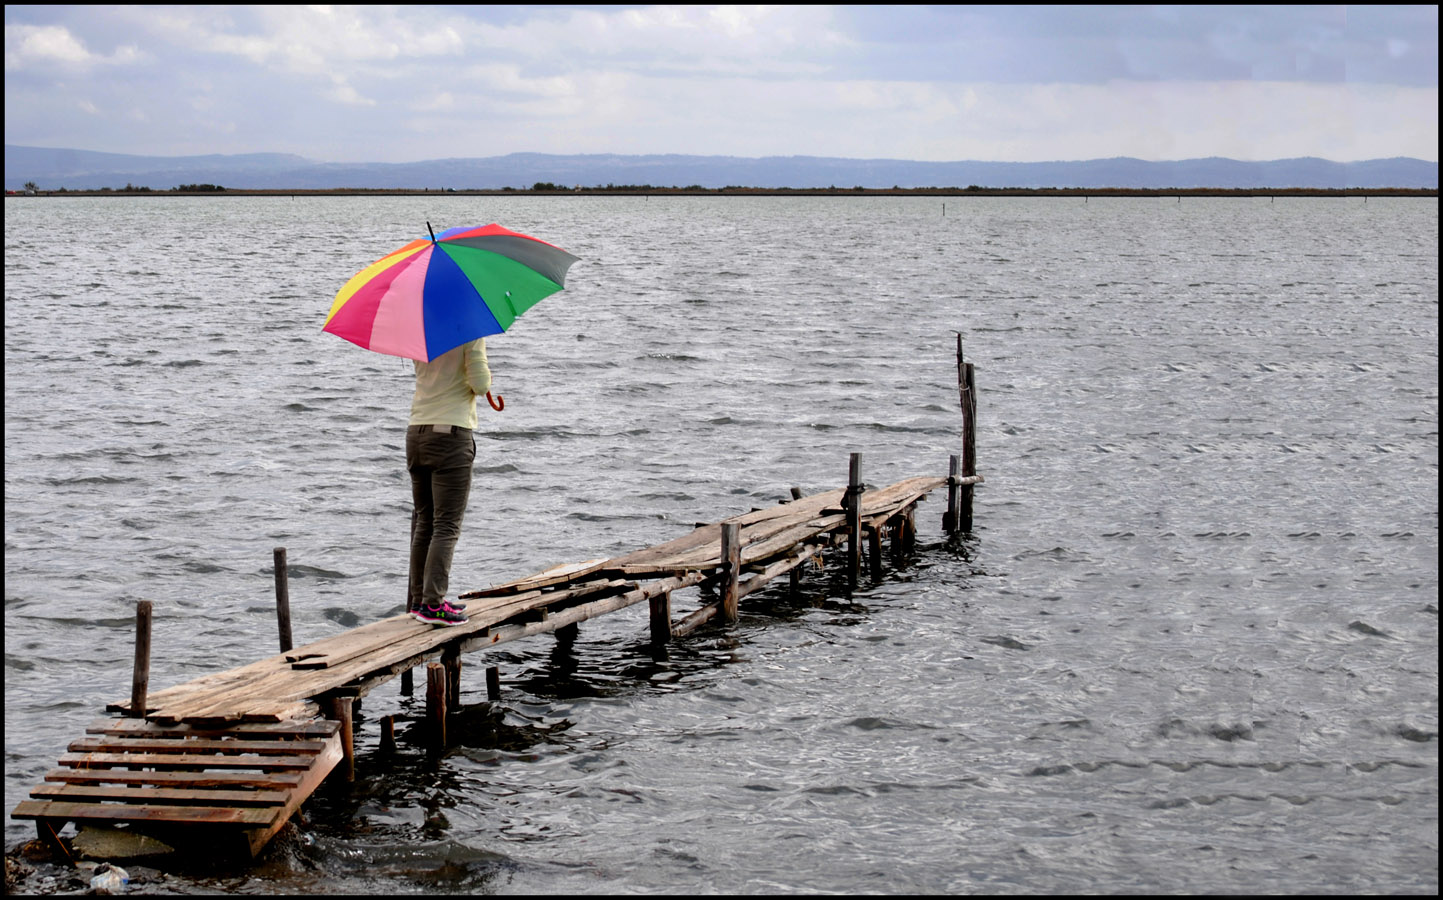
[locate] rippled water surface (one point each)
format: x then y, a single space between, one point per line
1191 646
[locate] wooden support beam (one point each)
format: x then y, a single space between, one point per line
48 833
695 620
949 518
967 389
408 686
388 735
140 681
451 660
283 599
789 564
436 706
853 505
493 684
874 551
661 618
731 557
340 711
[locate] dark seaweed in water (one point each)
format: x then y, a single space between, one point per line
1190 648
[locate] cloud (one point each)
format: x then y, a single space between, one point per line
759 40
32 46
397 83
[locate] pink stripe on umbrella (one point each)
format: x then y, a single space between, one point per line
397 327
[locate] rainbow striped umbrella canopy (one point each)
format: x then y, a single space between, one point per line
437 293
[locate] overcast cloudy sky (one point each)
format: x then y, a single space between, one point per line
1016 84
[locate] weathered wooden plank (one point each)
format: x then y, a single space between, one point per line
565 573
266 692
258 710
80 793
113 812
184 761
701 548
482 614
582 612
804 506
208 683
780 534
311 780
374 647
382 630
757 546
349 645
315 728
278 781
142 744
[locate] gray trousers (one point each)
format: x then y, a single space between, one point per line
440 465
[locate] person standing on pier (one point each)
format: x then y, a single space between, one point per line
440 450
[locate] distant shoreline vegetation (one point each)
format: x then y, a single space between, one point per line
546 188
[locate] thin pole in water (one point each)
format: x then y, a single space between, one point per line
140 683
283 599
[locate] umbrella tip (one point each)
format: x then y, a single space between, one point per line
433 234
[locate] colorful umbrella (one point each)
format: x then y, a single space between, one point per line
436 294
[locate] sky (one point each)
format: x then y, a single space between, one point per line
936 83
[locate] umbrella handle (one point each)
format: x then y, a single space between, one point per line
498 403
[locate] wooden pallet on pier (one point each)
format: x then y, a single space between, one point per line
240 784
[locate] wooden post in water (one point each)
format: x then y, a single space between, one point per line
661 618
388 735
794 577
874 552
436 706
451 659
408 686
967 394
853 505
493 684
340 711
949 519
731 558
140 682
969 453
283 599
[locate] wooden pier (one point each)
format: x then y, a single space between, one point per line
238 752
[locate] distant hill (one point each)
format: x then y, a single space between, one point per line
53 168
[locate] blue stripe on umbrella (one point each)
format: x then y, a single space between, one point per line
452 311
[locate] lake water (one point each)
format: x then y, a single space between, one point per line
1190 647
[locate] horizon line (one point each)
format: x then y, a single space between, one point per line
321 161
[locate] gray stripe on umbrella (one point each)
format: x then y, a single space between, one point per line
549 261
